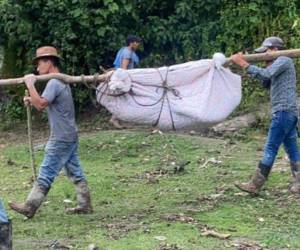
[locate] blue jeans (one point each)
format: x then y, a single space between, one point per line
3 215
60 155
282 130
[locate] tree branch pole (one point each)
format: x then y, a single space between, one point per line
253 58
29 127
63 77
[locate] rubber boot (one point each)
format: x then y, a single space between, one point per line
83 198
257 181
33 202
295 168
5 235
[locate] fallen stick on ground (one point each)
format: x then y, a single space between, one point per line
215 234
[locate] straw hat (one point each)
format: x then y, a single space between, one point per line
46 51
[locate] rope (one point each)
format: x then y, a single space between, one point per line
102 89
90 87
164 96
94 87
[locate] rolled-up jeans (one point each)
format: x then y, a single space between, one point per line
3 214
58 155
282 131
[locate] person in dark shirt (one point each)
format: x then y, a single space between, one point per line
280 78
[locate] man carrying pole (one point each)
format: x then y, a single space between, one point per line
280 77
61 148
5 230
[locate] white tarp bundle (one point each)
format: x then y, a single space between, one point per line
184 96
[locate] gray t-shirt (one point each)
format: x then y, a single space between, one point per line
61 114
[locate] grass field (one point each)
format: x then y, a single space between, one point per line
143 199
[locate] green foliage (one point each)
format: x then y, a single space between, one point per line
89 33
13 110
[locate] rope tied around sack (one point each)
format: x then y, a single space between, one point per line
166 88
90 87
94 83
166 97
103 89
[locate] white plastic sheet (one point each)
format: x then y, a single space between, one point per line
195 94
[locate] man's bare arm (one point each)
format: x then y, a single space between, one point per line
125 63
35 99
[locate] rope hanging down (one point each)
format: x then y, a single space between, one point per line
164 97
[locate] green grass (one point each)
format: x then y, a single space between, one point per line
134 189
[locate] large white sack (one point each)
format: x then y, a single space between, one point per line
197 94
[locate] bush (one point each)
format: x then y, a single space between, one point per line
89 33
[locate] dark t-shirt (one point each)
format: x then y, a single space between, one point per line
281 77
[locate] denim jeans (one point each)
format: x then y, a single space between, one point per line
60 155
282 130
3 215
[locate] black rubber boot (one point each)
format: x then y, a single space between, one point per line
6 235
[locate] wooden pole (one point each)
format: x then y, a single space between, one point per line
29 127
293 53
63 77
251 58
259 57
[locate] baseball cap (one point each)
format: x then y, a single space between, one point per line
272 41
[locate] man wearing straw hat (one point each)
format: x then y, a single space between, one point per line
280 77
61 148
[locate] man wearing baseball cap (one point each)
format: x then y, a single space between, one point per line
61 148
270 42
280 77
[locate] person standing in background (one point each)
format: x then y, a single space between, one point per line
126 58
